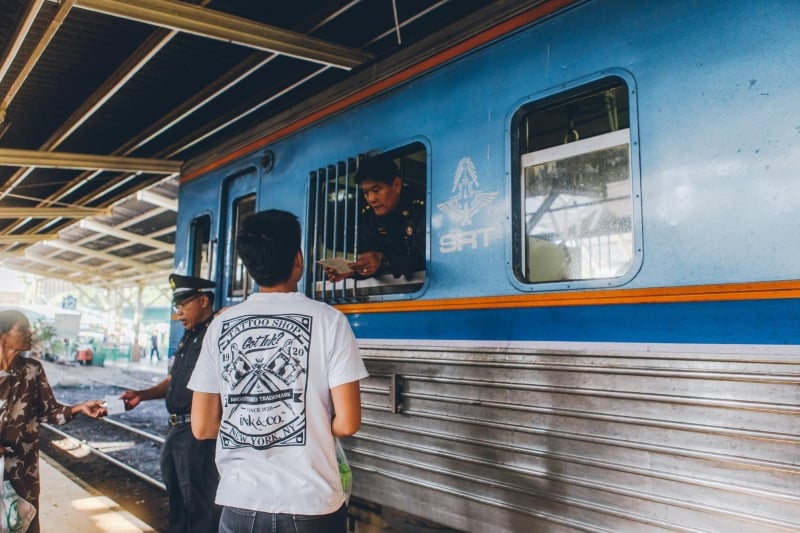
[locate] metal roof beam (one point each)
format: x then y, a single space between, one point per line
46 273
4 256
157 200
50 212
140 218
19 38
28 238
141 267
87 271
217 25
34 158
148 278
37 53
99 227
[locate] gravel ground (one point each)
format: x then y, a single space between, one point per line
72 384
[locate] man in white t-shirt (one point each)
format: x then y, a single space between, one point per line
276 381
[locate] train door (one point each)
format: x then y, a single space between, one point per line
239 200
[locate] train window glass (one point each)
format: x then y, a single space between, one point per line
241 283
200 253
574 199
337 221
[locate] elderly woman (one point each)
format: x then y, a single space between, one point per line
26 400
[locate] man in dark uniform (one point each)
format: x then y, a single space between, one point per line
391 229
187 464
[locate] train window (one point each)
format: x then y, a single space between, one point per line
573 197
340 222
200 253
241 283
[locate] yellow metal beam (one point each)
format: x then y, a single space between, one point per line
14 157
27 239
50 212
212 24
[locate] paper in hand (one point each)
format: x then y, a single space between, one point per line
339 264
114 405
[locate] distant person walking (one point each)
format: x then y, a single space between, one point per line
154 347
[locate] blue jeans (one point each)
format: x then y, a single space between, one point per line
235 520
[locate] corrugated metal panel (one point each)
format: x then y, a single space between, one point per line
629 441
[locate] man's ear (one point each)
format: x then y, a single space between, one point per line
298 260
397 183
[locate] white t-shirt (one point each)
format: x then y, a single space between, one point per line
273 360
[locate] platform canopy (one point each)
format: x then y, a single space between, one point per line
104 103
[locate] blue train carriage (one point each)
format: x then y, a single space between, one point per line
605 336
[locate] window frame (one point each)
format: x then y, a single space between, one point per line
347 291
197 267
234 290
516 184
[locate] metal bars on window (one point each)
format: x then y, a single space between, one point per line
332 214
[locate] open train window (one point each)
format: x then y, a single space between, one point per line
572 188
241 282
200 253
339 222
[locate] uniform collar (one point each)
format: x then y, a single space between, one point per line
202 326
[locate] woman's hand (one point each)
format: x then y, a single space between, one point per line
93 408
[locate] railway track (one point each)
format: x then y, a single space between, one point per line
118 456
109 449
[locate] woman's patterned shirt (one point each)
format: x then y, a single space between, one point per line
26 400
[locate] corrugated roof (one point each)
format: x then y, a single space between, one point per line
144 90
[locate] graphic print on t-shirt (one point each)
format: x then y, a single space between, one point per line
265 366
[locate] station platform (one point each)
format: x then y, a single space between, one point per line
68 506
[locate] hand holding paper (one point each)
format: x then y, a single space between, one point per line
114 405
339 264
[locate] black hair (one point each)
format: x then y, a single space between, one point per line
268 243
379 168
9 317
210 296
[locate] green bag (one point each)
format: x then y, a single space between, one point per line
345 473
16 514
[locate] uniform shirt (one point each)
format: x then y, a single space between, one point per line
179 397
26 400
399 235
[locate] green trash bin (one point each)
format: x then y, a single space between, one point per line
99 359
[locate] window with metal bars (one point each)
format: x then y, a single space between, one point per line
335 216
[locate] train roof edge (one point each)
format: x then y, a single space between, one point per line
465 36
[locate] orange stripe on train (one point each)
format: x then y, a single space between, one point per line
770 290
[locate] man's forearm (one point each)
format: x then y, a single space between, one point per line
155 392
206 415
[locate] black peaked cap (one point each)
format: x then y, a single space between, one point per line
185 287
